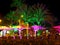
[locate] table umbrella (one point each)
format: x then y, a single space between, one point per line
57 28
41 28
35 27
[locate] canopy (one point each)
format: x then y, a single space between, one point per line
5 28
57 28
36 27
41 28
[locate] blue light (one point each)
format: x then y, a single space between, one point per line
15 29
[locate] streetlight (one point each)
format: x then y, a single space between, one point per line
19 21
27 26
22 16
0 20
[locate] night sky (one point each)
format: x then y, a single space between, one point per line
53 6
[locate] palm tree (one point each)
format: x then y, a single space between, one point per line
11 17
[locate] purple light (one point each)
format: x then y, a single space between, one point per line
41 28
35 27
57 27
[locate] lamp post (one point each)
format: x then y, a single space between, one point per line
27 30
19 21
0 20
35 33
20 24
20 34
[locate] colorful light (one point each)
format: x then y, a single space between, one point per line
59 33
22 16
41 28
39 32
0 20
35 27
1 33
8 32
46 31
57 28
15 29
4 32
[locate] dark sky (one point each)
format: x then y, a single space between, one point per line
52 5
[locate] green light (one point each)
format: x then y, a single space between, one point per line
25 13
14 27
11 32
15 30
39 32
22 16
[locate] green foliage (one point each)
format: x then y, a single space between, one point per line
16 3
29 14
10 15
35 16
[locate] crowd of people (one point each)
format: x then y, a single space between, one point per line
53 38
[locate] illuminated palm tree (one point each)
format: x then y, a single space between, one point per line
11 17
36 13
